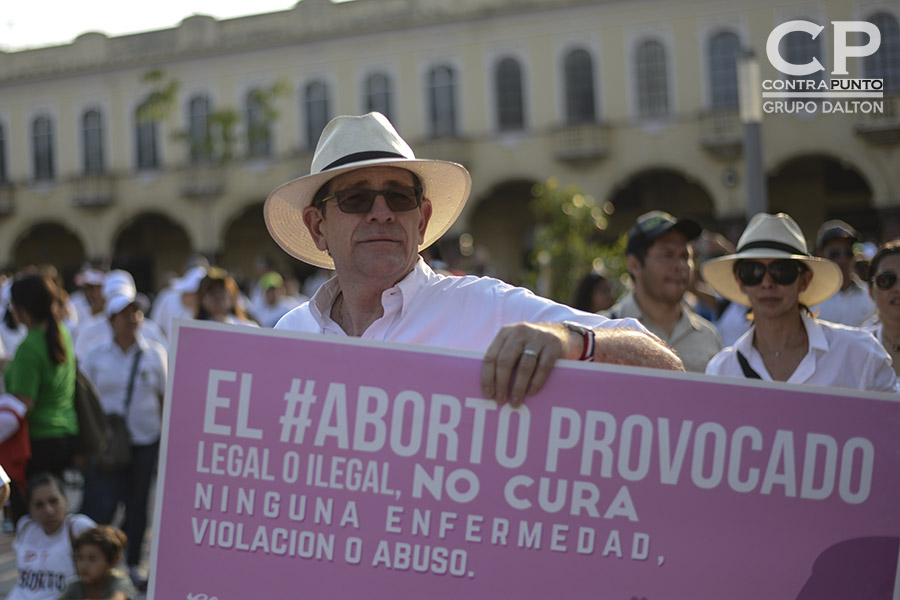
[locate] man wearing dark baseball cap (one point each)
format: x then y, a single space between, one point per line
851 305
661 265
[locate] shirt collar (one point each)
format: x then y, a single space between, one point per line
815 334
628 307
409 286
856 287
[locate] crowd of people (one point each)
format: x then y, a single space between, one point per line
766 308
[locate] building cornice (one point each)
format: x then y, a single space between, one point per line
201 36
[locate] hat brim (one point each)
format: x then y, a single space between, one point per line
446 184
826 280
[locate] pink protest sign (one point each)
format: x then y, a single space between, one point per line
310 467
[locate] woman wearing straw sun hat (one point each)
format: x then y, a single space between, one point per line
775 276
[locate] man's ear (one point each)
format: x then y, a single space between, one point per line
633 264
314 221
425 214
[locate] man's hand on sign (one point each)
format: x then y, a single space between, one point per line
519 360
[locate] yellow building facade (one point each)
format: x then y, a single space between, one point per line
635 102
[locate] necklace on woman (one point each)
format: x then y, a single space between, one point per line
796 341
894 347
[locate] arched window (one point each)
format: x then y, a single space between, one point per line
146 146
199 130
652 79
42 146
885 63
259 135
578 67
4 174
92 142
510 97
799 48
318 112
723 79
441 95
379 95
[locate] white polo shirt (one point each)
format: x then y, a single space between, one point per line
838 356
450 312
109 368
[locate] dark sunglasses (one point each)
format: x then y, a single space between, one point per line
399 198
782 272
836 253
885 280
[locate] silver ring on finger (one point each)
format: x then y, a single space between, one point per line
530 352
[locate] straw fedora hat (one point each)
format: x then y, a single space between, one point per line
356 142
773 236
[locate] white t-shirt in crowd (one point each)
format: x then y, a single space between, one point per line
45 561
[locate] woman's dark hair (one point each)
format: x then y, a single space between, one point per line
40 480
886 249
110 540
37 295
585 291
218 276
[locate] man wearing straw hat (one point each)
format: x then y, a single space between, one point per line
366 210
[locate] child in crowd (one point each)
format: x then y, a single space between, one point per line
97 552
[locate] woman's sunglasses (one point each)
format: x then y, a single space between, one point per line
782 272
885 280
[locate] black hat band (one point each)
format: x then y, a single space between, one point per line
772 245
360 157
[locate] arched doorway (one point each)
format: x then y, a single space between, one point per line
659 189
813 189
246 239
502 226
151 247
50 244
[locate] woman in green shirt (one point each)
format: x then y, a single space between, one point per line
42 376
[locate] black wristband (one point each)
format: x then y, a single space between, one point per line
587 334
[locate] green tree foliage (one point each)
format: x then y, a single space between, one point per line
219 143
567 241
160 101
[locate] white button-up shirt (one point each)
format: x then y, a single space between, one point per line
425 308
852 306
838 356
109 368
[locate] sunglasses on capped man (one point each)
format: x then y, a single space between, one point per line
782 272
399 198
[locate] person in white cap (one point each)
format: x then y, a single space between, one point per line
88 299
97 329
129 372
775 276
367 209
851 305
179 300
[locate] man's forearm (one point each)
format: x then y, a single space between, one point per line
622 346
